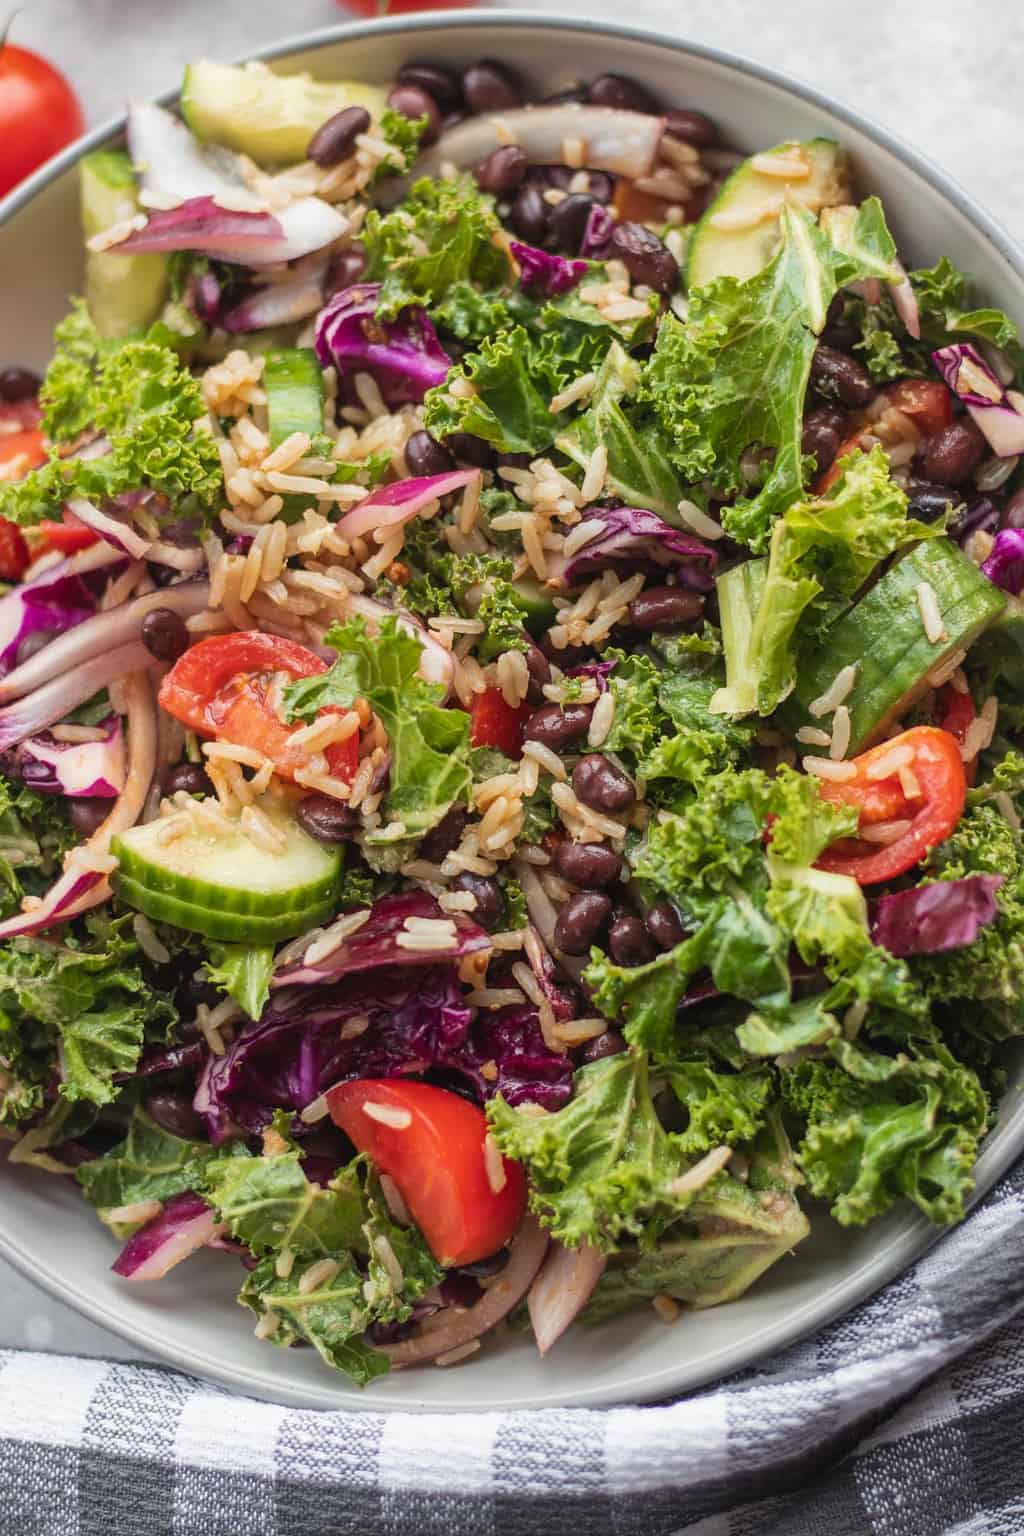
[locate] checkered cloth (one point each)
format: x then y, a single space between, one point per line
904 1419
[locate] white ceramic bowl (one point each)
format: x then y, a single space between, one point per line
191 1318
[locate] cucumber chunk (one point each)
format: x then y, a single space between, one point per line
294 382
739 597
884 638
223 884
267 116
742 250
124 293
536 606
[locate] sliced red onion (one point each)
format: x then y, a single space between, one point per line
300 295
202 224
449 1329
1005 563
117 531
901 291
80 887
58 698
391 505
562 1289
55 600
176 168
185 1225
188 561
542 272
596 242
92 768
989 404
405 355
622 143
436 664
98 635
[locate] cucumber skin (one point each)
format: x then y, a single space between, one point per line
294 382
232 927
884 637
124 293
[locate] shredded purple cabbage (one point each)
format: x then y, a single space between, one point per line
404 356
990 407
1005 564
52 603
88 768
418 1020
376 943
545 272
597 235
948 914
634 536
600 671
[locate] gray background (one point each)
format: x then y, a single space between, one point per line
943 74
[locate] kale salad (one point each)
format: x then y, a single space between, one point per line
511 709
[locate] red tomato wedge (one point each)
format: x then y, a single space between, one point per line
927 402
931 812
14 554
432 1143
68 536
19 415
222 687
29 445
493 723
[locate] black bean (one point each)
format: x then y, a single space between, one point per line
345 269
665 608
691 127
840 377
515 460
413 103
326 819
558 728
484 1269
621 92
164 634
438 82
424 455
664 926
529 215
610 1043
567 221
927 501
602 785
823 432
190 777
569 656
538 667
644 256
470 449
953 454
173 1112
86 814
18 384
841 337
444 837
489 86
581 922
629 942
335 140
502 171
1012 515
555 177
590 865
490 904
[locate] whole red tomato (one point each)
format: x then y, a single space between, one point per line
39 114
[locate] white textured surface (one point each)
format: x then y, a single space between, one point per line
939 73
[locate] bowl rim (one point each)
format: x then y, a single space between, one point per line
909 1237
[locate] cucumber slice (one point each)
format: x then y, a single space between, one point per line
294 382
124 293
267 116
232 927
535 605
746 199
242 890
883 636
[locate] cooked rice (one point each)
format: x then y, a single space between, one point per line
602 720
891 762
811 736
318 1274
885 832
931 614
825 768
391 1115
494 1164
840 743
699 522
837 692
148 941
667 1308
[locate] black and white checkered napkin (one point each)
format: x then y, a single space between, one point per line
904 1419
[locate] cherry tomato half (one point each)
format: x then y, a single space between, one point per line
39 114
927 402
14 556
932 811
29 445
493 723
69 536
221 687
432 1143
19 415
